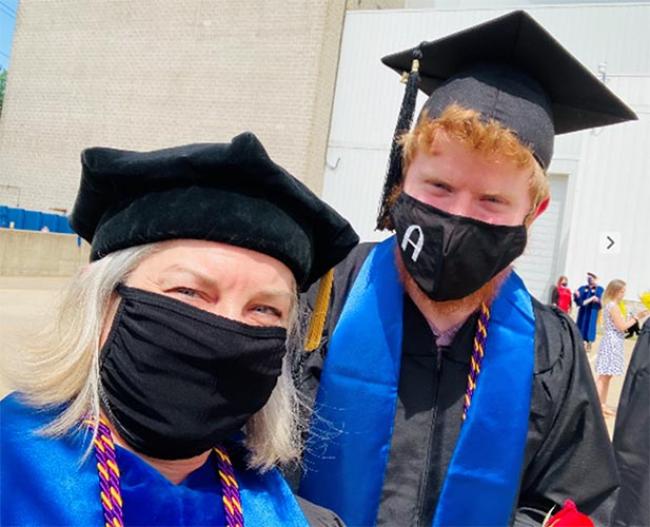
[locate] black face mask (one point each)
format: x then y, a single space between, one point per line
176 380
449 256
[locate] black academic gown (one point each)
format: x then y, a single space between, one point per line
632 438
568 452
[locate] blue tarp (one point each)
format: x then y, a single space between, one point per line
33 220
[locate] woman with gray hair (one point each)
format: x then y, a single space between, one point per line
164 396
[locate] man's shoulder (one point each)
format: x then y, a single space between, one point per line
346 272
354 260
557 339
317 515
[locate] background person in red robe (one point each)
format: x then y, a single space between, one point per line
561 295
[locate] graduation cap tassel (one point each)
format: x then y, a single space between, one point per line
319 315
394 171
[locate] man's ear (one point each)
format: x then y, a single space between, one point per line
541 208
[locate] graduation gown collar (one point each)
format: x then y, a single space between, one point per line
460 350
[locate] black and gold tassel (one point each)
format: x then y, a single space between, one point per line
394 171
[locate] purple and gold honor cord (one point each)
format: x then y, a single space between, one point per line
109 476
229 490
109 480
478 351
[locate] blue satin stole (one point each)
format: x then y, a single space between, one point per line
43 483
350 436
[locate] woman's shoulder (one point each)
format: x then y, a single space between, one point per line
22 426
17 415
20 436
41 476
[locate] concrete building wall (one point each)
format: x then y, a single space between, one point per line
30 253
156 73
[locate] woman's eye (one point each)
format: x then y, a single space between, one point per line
441 186
268 310
493 199
186 291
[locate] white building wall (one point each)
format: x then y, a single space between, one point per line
613 195
610 37
538 264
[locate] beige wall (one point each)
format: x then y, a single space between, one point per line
29 253
156 73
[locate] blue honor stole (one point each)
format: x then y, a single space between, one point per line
350 436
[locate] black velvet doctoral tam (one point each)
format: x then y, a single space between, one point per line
226 192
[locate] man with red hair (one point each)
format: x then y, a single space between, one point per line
445 394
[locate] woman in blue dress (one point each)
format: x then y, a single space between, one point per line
163 394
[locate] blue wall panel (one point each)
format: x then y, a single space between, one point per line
33 220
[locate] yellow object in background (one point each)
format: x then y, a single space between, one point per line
621 306
645 299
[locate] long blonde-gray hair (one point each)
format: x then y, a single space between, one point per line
612 291
62 368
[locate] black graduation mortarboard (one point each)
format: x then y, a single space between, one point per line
512 70
226 192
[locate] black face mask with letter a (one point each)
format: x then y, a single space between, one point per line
449 256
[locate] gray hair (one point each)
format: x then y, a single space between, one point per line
62 368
